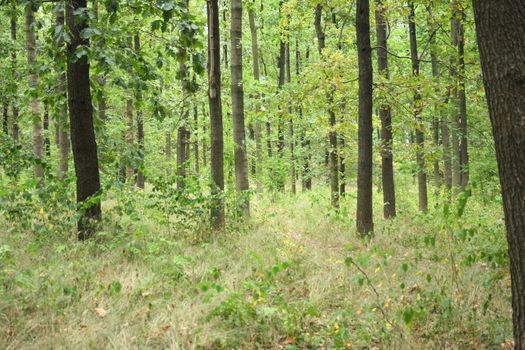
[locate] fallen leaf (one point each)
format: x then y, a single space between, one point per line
101 312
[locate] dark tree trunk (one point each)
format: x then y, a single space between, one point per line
385 114
420 137
81 121
445 139
5 120
501 36
305 141
459 37
140 129
36 118
182 132
216 127
14 118
237 92
364 218
293 175
130 171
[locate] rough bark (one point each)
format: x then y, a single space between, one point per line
420 137
501 36
216 127
385 114
81 123
364 218
237 91
36 118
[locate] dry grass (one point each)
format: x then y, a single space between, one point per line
150 285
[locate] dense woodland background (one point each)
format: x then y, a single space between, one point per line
248 174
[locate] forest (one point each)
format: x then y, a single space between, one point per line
262 174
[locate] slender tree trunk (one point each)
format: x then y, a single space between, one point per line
256 76
182 132
81 121
454 130
62 123
196 141
305 141
420 138
5 120
45 126
36 117
385 114
364 222
291 136
459 18
332 154
140 128
501 37
216 127
130 171
237 91
14 117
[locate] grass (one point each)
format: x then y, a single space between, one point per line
297 277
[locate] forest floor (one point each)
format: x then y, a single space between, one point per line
297 277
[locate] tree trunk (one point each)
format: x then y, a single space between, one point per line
293 187
364 218
81 121
196 141
140 129
420 137
459 18
14 117
5 120
130 171
501 37
45 127
237 91
332 155
182 132
38 149
256 76
62 124
385 114
216 127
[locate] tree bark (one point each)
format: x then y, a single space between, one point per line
5 120
256 76
45 127
501 36
216 127
140 128
420 137
332 155
459 37
36 118
242 185
81 122
14 117
62 124
364 217
385 114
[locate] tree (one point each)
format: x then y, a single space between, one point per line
140 126
333 157
256 76
420 136
364 219
237 91
38 144
214 100
385 114
81 120
501 37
